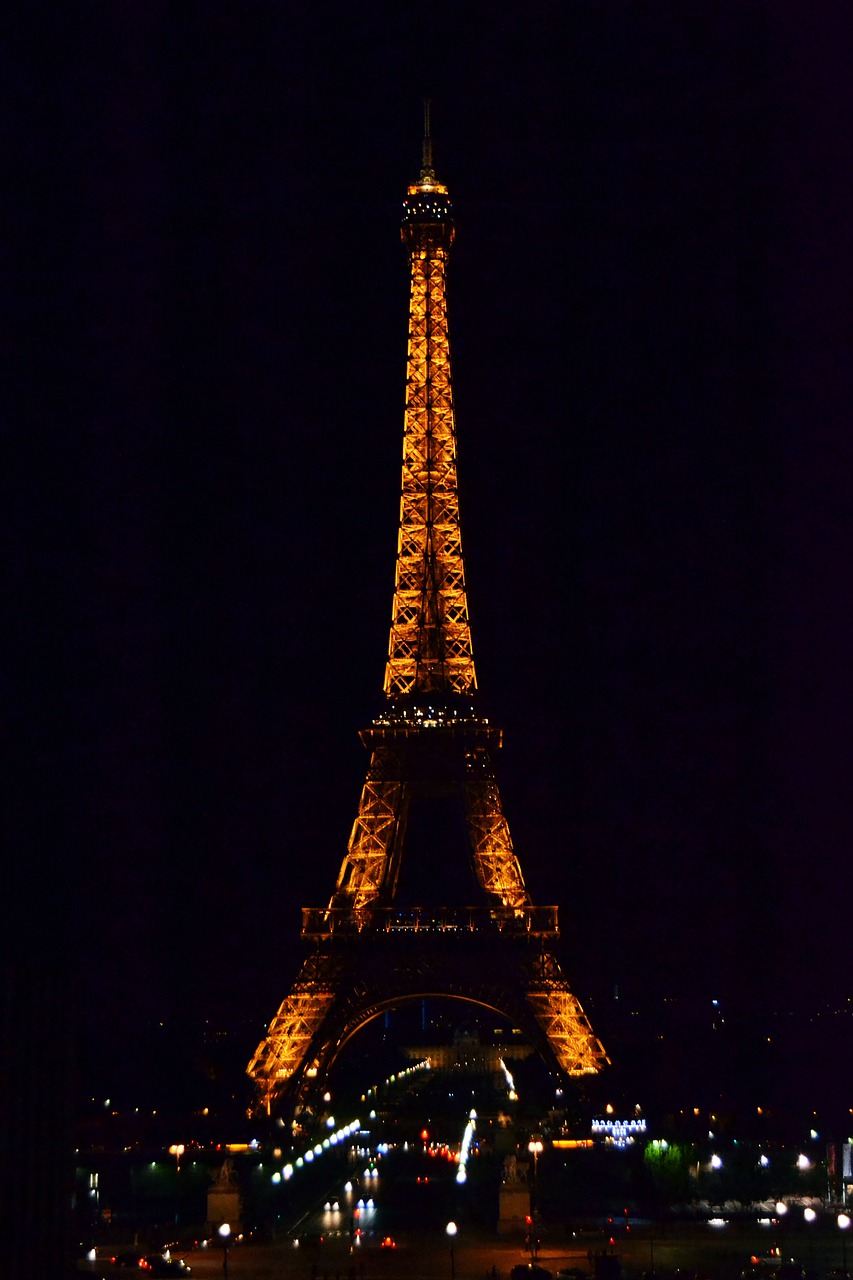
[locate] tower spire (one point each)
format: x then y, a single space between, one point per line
427 171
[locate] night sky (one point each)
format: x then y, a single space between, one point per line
206 335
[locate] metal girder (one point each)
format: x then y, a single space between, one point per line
377 835
300 1015
430 643
371 866
495 863
562 1019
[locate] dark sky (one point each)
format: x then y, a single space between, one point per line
650 324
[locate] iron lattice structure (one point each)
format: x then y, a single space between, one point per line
369 952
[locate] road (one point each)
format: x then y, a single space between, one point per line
719 1254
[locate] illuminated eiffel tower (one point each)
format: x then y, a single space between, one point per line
368 952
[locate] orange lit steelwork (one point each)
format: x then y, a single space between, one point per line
429 740
430 647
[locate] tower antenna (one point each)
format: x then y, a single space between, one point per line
426 168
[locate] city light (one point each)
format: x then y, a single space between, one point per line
843 1221
465 1148
510 1082
618 1133
224 1232
312 1153
451 1230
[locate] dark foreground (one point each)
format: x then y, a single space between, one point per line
696 1250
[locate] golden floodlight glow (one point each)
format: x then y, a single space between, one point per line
429 740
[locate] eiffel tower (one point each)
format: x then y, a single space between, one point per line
369 953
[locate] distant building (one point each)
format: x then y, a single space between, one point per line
469 1054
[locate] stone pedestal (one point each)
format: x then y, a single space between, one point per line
513 1210
223 1200
223 1205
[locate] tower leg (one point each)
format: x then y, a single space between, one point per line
294 1027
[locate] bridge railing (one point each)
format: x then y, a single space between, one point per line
323 922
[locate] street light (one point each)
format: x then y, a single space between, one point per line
781 1210
810 1216
451 1230
843 1221
534 1146
225 1237
177 1149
